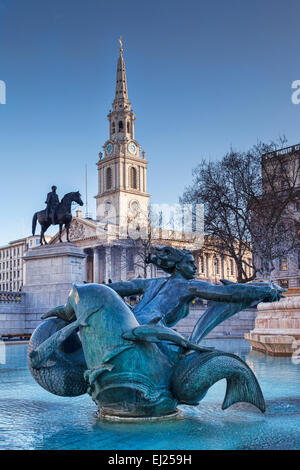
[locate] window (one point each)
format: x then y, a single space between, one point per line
217 265
283 265
133 178
128 126
231 268
108 178
284 283
120 126
201 264
113 128
130 260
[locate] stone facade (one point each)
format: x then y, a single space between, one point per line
11 262
287 268
277 326
12 313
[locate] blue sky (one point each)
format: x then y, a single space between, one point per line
202 76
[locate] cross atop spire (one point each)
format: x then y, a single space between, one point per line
121 95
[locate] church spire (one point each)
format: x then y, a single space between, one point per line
121 96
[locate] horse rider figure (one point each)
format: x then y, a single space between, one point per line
52 203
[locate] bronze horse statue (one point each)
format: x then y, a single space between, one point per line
63 216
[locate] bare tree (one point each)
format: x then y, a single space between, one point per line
248 199
142 237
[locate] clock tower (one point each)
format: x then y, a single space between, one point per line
122 168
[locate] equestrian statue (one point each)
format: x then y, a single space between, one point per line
56 213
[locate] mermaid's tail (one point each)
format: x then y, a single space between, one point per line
216 313
197 372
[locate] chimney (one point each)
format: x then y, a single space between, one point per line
79 214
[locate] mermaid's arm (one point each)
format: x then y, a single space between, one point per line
234 292
127 288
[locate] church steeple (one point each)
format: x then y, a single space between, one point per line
121 96
122 170
121 118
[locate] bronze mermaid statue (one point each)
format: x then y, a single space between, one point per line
131 361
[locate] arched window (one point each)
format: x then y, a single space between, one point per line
133 178
128 126
113 128
120 126
108 178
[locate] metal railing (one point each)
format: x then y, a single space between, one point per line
7 297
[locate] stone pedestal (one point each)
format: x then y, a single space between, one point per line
277 327
50 271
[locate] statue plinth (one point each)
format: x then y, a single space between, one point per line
277 327
50 271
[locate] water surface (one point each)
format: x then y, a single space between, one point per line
32 418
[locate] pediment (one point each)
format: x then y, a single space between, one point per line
80 229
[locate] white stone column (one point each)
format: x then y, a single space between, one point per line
96 273
85 270
123 267
107 263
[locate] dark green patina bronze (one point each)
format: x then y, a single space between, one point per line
130 361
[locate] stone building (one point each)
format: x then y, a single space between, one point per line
122 194
287 267
122 201
12 276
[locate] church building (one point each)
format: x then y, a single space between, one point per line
122 202
112 241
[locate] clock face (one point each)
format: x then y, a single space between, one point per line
134 207
109 148
132 148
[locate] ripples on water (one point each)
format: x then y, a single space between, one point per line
32 418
